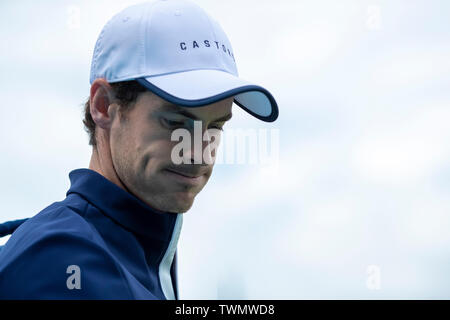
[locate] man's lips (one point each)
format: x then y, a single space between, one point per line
194 180
185 174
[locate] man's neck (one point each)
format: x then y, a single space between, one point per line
104 166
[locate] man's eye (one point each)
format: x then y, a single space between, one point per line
172 123
217 127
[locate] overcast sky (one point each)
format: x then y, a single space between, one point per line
358 205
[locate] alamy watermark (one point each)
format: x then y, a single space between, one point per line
73 17
74 280
374 21
373 281
237 146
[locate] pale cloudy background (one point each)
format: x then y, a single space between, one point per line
359 204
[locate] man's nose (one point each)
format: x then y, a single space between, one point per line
209 151
202 150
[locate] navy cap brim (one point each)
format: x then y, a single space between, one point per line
203 87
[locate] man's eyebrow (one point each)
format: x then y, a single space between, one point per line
176 109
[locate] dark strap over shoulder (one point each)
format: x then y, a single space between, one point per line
8 227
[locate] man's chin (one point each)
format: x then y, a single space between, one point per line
181 207
180 204
175 204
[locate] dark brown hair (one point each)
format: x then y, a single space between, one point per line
125 94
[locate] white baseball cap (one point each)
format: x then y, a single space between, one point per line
180 53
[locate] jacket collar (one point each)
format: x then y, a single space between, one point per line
122 206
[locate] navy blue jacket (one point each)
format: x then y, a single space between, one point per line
100 242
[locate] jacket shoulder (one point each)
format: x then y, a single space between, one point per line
57 255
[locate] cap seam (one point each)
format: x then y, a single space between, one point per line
143 75
215 36
147 16
97 49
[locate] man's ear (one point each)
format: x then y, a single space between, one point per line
101 99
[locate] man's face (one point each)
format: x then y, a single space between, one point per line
141 149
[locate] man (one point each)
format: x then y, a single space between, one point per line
156 67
